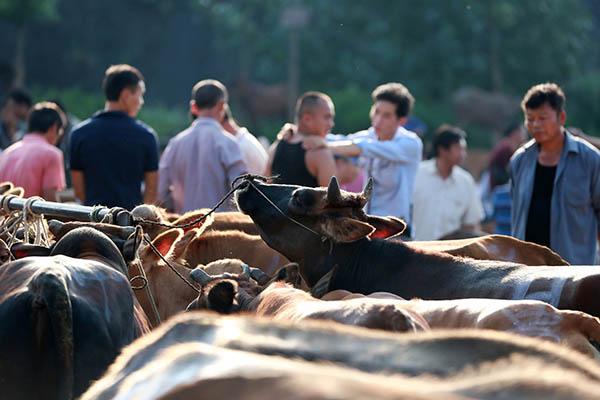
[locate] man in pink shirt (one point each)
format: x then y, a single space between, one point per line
35 163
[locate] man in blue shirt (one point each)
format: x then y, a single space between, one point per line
555 181
112 153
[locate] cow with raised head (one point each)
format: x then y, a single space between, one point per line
338 246
64 317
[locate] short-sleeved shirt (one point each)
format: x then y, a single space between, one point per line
198 167
113 151
442 206
575 204
33 164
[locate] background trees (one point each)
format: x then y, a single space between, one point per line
345 48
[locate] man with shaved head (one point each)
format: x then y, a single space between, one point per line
289 160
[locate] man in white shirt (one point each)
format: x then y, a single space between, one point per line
445 199
254 154
389 153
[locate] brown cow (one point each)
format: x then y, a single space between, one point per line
222 221
170 293
494 247
215 245
206 356
218 221
283 302
526 317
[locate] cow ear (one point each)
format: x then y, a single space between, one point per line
221 296
192 216
163 243
344 229
386 227
182 244
22 250
289 273
132 244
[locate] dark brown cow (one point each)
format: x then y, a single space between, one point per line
326 232
198 355
64 318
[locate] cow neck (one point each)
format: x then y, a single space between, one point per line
331 256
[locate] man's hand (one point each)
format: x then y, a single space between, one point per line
313 143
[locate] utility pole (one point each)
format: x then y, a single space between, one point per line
294 18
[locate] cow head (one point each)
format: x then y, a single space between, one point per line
292 219
89 243
226 292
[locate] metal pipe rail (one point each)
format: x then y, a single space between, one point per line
120 216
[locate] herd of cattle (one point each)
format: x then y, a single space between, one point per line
322 301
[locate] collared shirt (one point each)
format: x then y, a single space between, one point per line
255 156
114 152
33 164
442 206
198 166
393 165
575 205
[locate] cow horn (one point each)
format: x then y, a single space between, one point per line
201 276
368 190
333 191
246 273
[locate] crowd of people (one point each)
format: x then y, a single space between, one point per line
545 190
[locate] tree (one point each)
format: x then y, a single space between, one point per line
22 13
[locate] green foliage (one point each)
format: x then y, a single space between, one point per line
20 12
583 99
346 49
352 106
77 102
167 122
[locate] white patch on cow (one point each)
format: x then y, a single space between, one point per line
556 278
551 296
